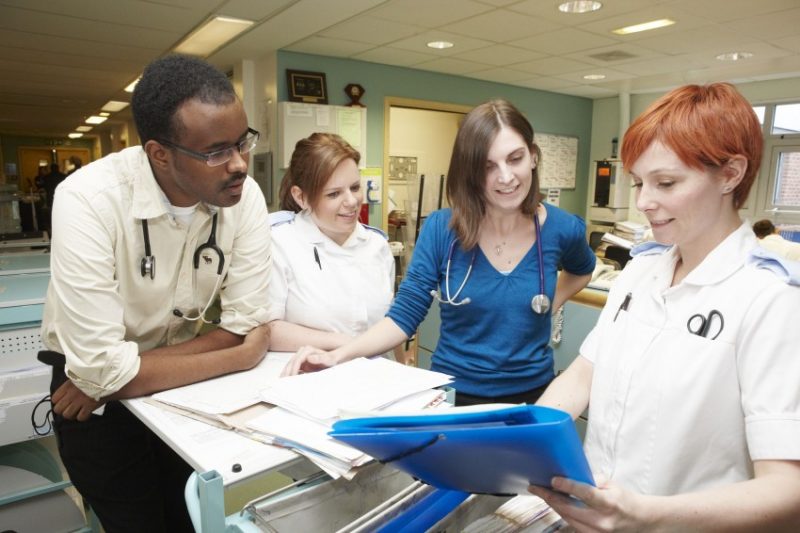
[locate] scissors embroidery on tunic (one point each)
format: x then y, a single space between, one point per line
706 326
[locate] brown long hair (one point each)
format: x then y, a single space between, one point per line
313 161
466 177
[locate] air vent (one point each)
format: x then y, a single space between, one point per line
613 55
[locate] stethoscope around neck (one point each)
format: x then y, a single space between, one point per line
148 268
539 303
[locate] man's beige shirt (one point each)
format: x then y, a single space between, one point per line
100 312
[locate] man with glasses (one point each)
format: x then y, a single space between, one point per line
115 326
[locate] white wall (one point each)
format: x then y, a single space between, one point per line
428 136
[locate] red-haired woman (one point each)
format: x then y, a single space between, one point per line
692 371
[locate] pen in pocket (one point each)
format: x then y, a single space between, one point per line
624 305
316 258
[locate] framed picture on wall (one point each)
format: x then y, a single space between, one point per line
308 87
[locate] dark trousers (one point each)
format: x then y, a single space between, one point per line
133 480
528 397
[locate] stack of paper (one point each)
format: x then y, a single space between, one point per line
631 231
309 404
523 513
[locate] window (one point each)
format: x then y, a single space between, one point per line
787 119
759 109
776 195
786 190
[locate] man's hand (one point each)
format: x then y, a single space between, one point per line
72 403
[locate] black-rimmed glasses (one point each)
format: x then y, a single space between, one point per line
220 157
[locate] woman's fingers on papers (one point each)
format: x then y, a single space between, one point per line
307 359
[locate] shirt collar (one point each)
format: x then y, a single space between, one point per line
728 257
310 232
148 197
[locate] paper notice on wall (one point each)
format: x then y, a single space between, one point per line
350 125
553 196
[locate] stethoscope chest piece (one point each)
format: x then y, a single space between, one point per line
540 304
149 266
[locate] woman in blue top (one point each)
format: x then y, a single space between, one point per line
492 261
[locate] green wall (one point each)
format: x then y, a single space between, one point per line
548 112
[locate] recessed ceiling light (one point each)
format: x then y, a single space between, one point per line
94 119
593 77
83 128
75 135
734 56
440 45
132 85
580 6
212 35
644 26
104 114
114 106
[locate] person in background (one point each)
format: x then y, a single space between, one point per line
51 180
117 324
770 239
76 164
494 258
691 372
332 277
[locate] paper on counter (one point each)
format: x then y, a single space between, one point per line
358 385
226 394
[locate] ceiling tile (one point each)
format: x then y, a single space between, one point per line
564 41
772 26
728 10
549 10
418 43
610 75
711 36
371 30
788 43
550 66
449 65
329 47
545 83
394 56
500 75
632 49
500 54
683 21
427 13
500 26
588 91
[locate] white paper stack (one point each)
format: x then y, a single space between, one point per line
523 513
307 404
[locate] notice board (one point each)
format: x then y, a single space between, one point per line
559 162
298 120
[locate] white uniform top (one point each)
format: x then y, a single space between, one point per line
782 247
100 312
672 412
344 289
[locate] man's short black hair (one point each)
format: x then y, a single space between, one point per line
166 84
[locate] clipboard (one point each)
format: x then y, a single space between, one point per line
496 451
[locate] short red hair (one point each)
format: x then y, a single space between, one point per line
705 126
